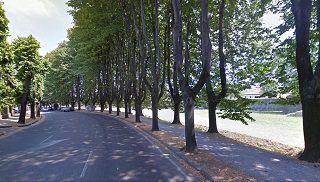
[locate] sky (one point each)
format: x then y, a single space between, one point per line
47 20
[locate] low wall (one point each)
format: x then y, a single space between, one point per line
267 105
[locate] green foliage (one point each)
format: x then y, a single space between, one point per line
237 109
7 80
4 28
60 77
26 56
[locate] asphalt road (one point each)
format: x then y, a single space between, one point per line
81 146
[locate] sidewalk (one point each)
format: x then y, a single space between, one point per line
11 124
260 164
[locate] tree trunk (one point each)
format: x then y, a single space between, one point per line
140 113
32 108
126 110
129 108
137 107
11 110
191 143
308 81
311 127
5 113
79 105
118 108
212 118
38 106
110 107
24 100
102 104
176 119
73 103
78 92
190 93
155 125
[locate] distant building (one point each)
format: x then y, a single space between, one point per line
252 93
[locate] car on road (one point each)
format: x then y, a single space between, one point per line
16 110
65 109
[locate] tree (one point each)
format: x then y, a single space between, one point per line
8 83
157 87
309 80
27 59
173 84
213 99
190 93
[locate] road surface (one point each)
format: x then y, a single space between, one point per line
81 146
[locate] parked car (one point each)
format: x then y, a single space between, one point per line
44 109
65 109
16 110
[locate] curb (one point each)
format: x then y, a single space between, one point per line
22 125
5 134
176 154
28 124
5 126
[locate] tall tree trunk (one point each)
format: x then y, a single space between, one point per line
155 60
173 87
24 100
189 94
213 99
308 81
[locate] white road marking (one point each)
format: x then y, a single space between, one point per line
42 145
46 139
85 166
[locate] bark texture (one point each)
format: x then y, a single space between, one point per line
24 100
213 99
190 93
309 82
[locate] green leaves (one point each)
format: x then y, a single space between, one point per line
237 109
26 56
